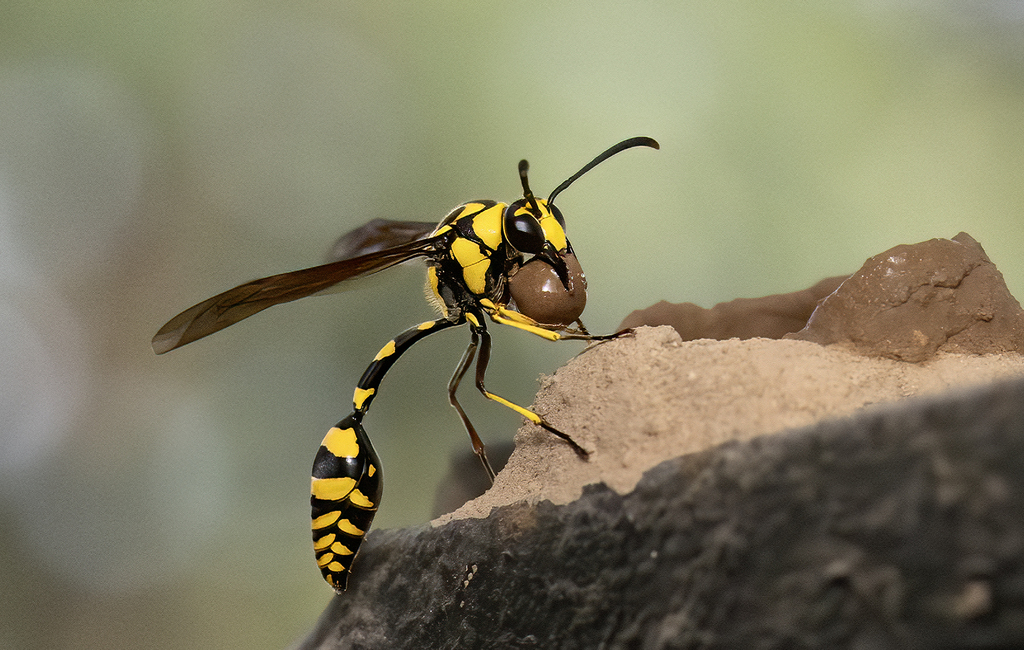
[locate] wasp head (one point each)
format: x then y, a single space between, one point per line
550 286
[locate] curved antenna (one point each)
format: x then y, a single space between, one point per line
524 167
622 146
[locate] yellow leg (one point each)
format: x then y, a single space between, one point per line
483 358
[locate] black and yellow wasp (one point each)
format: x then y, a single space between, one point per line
510 263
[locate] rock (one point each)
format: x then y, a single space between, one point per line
745 493
902 527
769 317
906 303
640 400
915 300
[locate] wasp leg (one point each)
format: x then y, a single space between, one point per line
504 316
483 358
582 328
347 479
453 385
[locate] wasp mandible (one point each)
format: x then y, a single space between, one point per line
511 263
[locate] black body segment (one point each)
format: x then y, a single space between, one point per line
366 388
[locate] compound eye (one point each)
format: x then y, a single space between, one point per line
523 231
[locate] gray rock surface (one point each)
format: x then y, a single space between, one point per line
899 527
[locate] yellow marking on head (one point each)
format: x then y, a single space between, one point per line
349 528
336 567
324 542
386 351
341 549
324 560
332 489
553 230
323 521
372 470
359 499
341 442
360 396
472 319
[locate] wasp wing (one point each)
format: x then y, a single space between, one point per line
243 301
378 235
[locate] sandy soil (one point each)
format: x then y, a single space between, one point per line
637 401
916 319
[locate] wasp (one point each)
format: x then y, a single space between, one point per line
510 263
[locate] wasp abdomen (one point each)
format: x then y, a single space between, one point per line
345 491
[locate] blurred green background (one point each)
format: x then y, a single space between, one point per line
153 154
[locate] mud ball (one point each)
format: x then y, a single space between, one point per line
539 294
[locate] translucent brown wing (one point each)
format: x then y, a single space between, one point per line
378 235
245 300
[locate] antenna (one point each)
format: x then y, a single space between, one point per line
622 146
524 167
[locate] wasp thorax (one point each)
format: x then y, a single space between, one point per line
539 293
